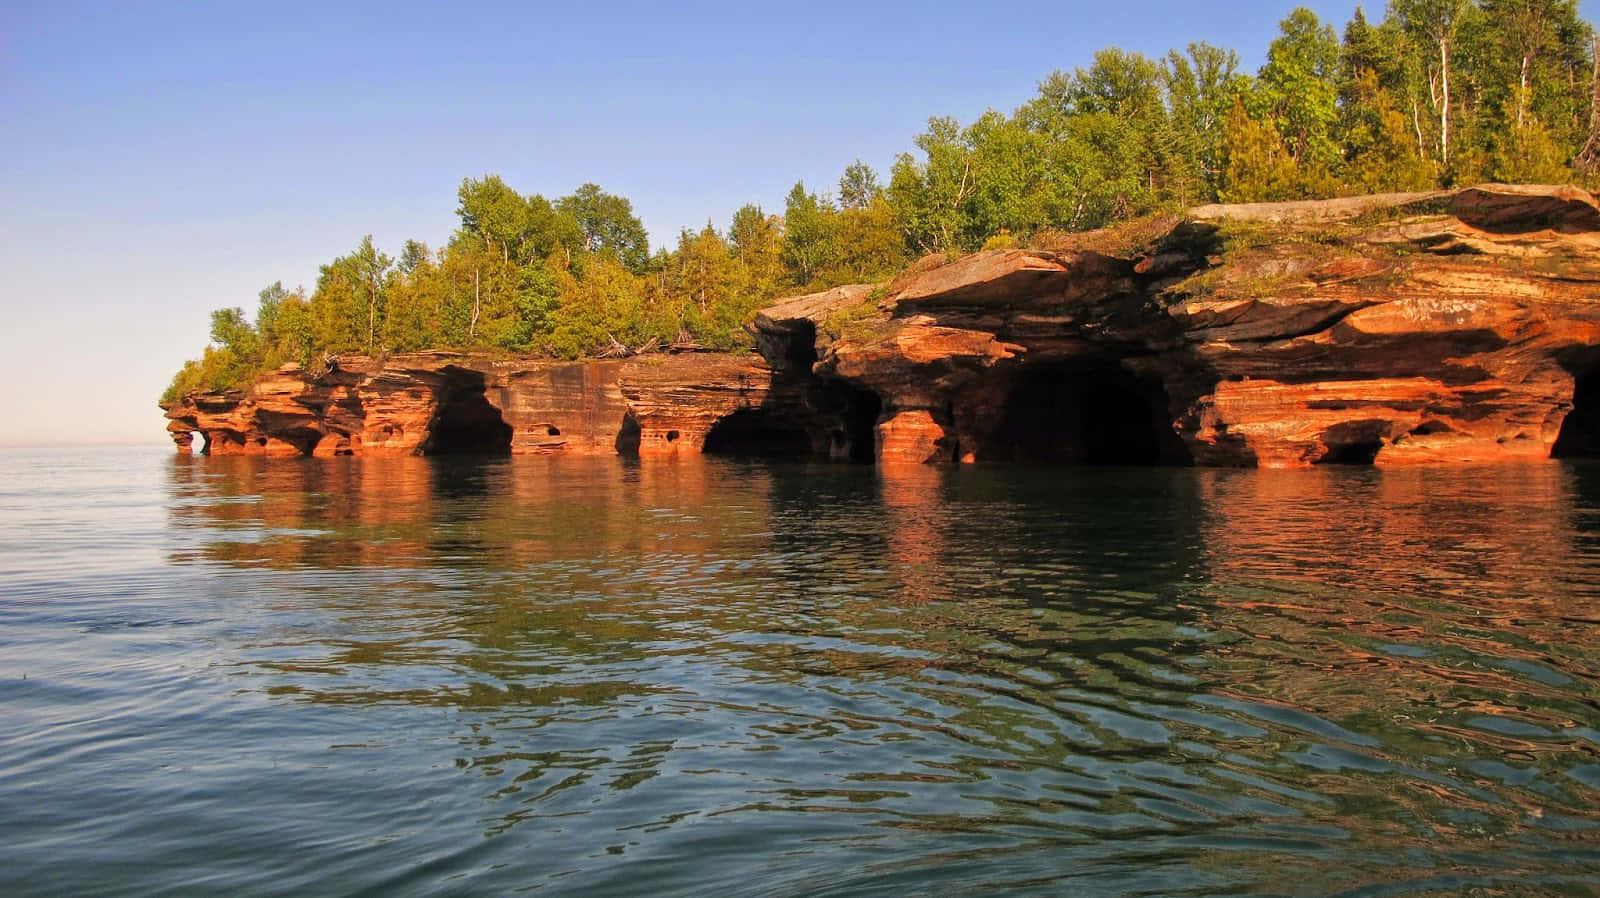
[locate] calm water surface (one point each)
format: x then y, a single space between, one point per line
589 677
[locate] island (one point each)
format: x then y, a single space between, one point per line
1452 326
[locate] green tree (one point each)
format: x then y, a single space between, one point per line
348 306
283 326
1299 89
870 245
930 198
1109 143
606 223
1433 26
495 214
1200 89
858 186
757 242
1257 167
414 255
602 306
810 234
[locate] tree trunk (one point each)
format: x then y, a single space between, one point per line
1416 122
1588 158
1522 91
372 313
1444 104
472 326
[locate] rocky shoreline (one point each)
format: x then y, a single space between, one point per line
1457 326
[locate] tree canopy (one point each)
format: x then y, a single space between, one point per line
1435 93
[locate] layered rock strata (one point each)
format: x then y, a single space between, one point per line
1459 326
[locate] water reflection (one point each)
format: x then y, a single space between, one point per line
837 678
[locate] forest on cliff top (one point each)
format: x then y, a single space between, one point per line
1437 93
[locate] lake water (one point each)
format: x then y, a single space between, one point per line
592 677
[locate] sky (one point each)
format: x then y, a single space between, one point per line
160 160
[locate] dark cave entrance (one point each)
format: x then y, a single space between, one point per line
1084 413
629 436
758 433
1580 431
1359 442
1358 453
465 422
855 411
303 439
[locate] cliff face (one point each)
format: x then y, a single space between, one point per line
1446 327
435 403
1459 326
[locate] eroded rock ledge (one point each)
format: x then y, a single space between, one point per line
1459 326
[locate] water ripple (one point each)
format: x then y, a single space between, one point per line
417 676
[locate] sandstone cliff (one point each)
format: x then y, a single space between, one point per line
1459 326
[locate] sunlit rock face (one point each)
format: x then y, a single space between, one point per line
438 403
1451 327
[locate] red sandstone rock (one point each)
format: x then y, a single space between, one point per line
1272 334
1440 327
397 406
911 437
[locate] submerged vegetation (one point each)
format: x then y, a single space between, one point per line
1438 92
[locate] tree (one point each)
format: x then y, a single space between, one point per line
349 303
810 234
1200 89
870 245
1433 26
413 255
930 197
1533 65
858 186
283 326
270 303
230 330
1107 139
757 240
1258 168
1298 87
606 223
601 306
1011 187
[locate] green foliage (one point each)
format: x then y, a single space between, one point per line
1434 93
858 186
860 322
810 234
606 223
1298 88
1200 89
1002 240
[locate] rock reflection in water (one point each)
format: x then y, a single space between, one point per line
840 678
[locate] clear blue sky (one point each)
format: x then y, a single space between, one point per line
159 160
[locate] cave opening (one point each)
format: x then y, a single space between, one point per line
1580 430
629 436
303 439
855 412
466 423
1359 442
1090 413
758 433
1362 452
